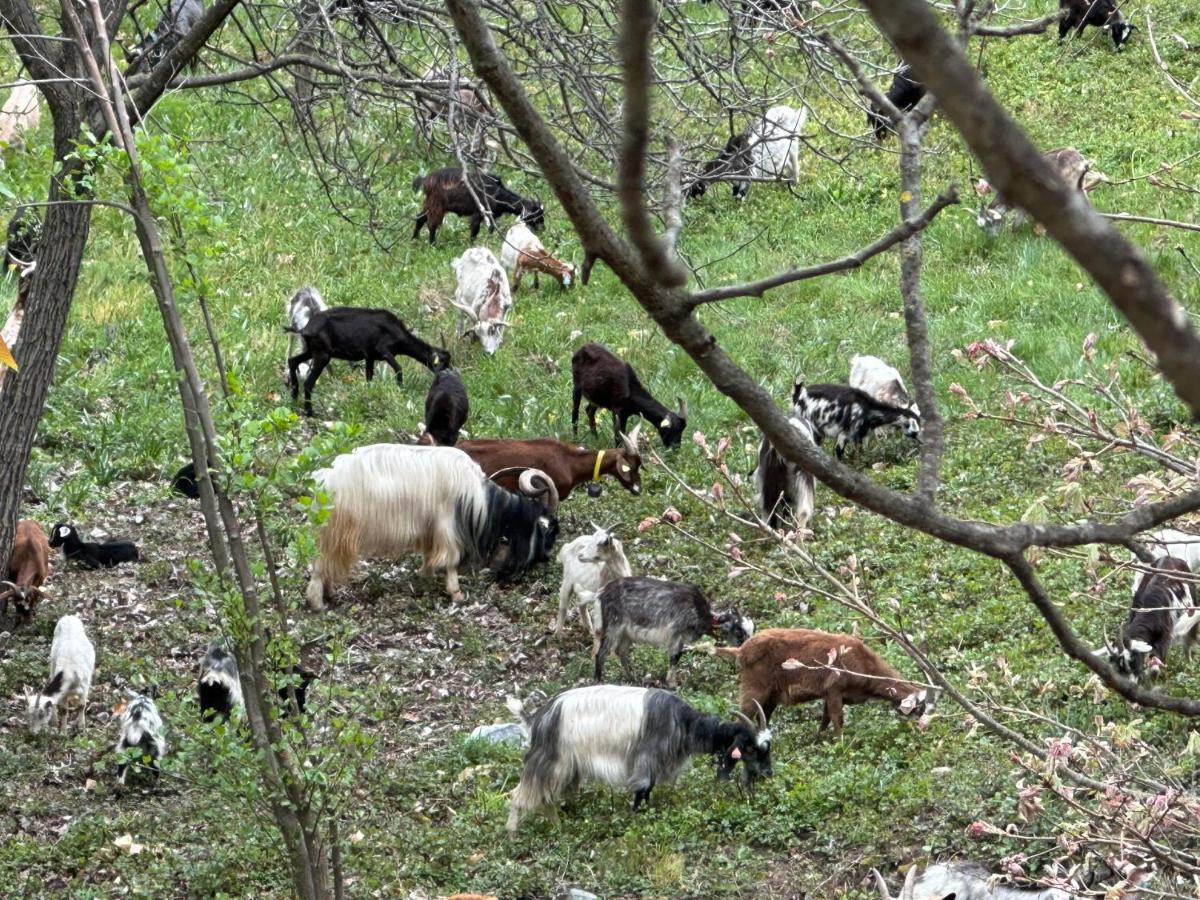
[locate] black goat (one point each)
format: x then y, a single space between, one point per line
608 382
184 482
848 415
446 191
732 165
1163 610
91 555
24 234
1103 14
905 92
354 333
446 409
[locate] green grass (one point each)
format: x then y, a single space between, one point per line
431 808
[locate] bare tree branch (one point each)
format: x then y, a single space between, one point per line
1148 220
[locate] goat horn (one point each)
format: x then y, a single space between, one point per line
745 718
762 716
548 494
468 310
630 446
884 893
14 587
909 891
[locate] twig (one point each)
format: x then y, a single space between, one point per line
1149 220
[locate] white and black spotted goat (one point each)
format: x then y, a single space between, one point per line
141 728
628 737
785 491
72 665
962 881
847 415
1163 611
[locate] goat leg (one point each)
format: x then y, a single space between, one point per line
833 711
576 396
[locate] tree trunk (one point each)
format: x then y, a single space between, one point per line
52 285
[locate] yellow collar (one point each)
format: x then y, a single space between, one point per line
596 471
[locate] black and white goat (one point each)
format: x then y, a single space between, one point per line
733 164
608 382
627 737
89 554
482 296
1163 611
962 881
847 415
355 333
873 376
302 306
661 613
905 92
177 20
393 499
1073 168
219 690
589 563
1171 542
785 491
24 235
446 409
72 665
1103 14
141 729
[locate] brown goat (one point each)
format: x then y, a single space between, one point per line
785 666
567 465
28 569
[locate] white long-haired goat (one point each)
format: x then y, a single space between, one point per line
775 143
394 499
72 664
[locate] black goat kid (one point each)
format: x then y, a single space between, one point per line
904 93
353 333
91 555
732 165
608 382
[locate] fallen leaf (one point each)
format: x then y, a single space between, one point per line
126 842
6 357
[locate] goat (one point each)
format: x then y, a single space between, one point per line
627 737
446 409
184 482
72 664
219 689
661 613
522 252
608 382
467 100
733 164
1163 611
784 489
177 20
301 307
775 143
784 666
393 499
1169 542
446 191
962 881
905 92
1072 167
20 113
589 563
566 465
848 415
28 569
24 235
882 382
141 728
482 296
354 333
89 554
1103 14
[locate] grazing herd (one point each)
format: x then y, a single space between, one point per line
494 503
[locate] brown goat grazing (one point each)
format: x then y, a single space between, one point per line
567 466
446 191
785 666
608 382
28 569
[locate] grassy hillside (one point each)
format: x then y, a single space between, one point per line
427 810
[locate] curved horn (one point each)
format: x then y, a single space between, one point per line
10 585
884 893
630 445
762 716
468 310
682 407
547 493
738 714
909 891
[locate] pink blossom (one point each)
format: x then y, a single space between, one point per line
672 515
979 828
700 439
780 596
1060 748
722 445
983 187
647 523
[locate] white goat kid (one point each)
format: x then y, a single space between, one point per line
589 563
482 296
72 664
775 143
